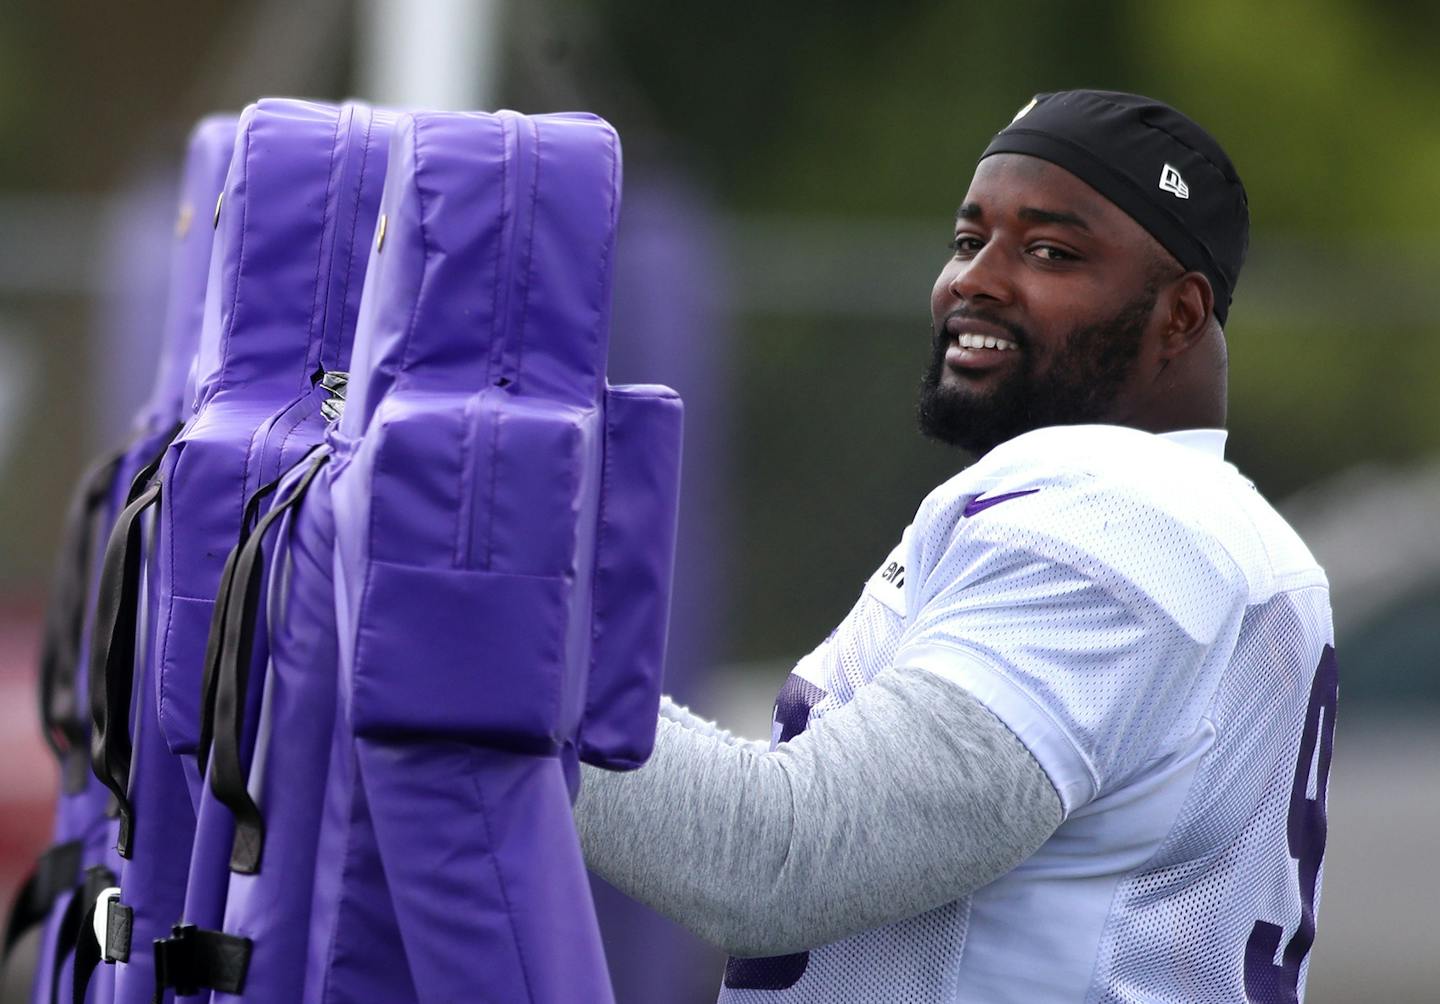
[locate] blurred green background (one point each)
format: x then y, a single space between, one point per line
828 145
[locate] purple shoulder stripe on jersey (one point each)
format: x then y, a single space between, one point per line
978 504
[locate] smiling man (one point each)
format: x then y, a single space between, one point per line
1072 742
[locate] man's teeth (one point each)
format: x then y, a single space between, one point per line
985 342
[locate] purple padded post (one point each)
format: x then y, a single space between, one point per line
481 463
290 693
280 301
470 470
271 906
346 147
482 475
504 528
81 813
284 285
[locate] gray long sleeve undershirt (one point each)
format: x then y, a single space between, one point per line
908 797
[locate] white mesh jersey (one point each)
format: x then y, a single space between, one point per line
1160 640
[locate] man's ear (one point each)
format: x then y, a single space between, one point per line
1188 303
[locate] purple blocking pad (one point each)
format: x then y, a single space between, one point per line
81 819
282 289
351 160
635 557
268 906
481 473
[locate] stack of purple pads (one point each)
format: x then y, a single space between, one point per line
385 630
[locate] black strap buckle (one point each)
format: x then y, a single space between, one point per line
119 919
193 958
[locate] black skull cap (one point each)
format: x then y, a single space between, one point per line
1159 166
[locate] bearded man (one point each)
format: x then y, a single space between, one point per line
1072 742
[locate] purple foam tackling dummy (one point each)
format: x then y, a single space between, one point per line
275 690
269 904
480 474
275 322
284 285
474 463
347 147
80 814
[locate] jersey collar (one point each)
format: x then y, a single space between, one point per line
1208 441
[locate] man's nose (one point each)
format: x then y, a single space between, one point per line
985 277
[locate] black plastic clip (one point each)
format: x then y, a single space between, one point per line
193 958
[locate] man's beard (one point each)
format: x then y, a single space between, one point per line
1080 385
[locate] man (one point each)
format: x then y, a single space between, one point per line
1072 742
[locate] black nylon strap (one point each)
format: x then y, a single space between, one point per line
60 717
112 649
217 620
25 913
227 772
85 959
193 958
77 931
56 872
112 658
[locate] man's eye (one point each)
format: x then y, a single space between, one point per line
1048 252
965 244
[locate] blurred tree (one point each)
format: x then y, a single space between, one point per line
82 84
854 107
1327 110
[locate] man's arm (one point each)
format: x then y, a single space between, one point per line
909 797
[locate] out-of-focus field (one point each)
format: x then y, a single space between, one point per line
1377 939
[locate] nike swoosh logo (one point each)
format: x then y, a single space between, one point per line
979 503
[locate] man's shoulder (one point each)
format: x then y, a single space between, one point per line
1081 466
1126 457
1113 502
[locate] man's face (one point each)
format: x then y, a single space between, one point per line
1041 315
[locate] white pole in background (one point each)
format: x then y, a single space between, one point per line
438 54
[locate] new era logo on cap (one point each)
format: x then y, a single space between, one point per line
1170 181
